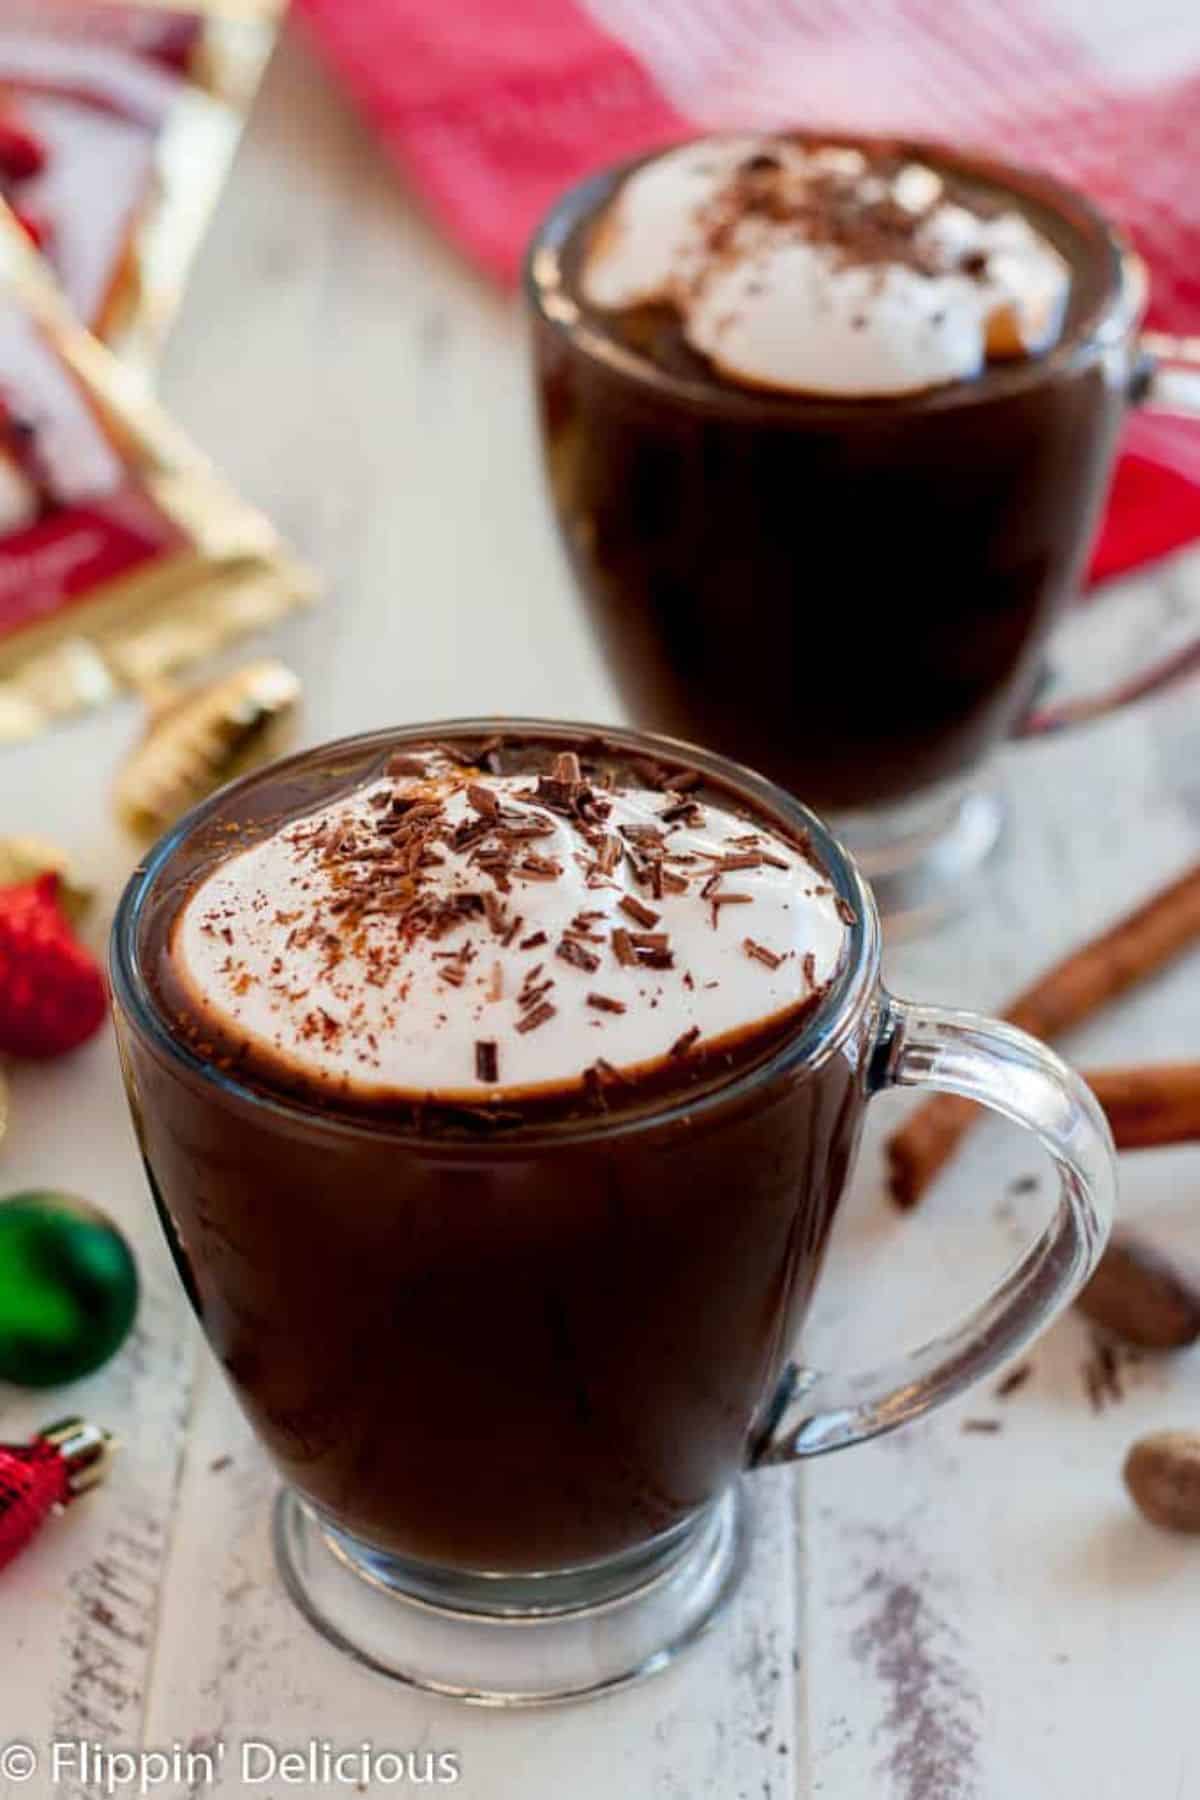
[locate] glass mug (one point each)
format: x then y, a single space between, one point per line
514 1384
734 545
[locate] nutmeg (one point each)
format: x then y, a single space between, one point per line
1143 1296
1162 1473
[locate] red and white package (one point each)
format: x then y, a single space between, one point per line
123 555
117 126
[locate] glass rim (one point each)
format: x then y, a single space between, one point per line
819 1036
1117 313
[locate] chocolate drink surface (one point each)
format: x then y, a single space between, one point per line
827 428
500 1199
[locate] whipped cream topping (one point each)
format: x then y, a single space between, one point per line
820 271
462 935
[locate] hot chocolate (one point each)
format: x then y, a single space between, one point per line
498 1084
469 1113
828 426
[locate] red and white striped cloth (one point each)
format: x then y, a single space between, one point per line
491 107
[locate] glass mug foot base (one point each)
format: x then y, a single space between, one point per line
922 859
514 1641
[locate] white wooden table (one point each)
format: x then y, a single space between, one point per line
946 1614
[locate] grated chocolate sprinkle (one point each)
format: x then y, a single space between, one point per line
760 953
573 951
623 948
537 1017
484 800
637 909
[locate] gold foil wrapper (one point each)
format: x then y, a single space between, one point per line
121 207
23 859
198 740
123 554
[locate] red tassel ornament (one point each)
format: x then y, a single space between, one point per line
42 1477
52 993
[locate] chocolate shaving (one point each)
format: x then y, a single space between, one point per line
683 1044
683 812
483 799
400 764
761 954
637 909
566 767
606 1072
470 832
454 753
646 837
651 773
572 951
597 1077
569 794
604 1003
496 911
845 911
537 1017
623 948
583 925
487 1062
808 968
533 940
608 854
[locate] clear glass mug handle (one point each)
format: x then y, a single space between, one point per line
1165 378
1005 1069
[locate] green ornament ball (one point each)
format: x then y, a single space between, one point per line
68 1289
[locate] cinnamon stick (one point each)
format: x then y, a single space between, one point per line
1143 1296
1156 1104
1082 982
